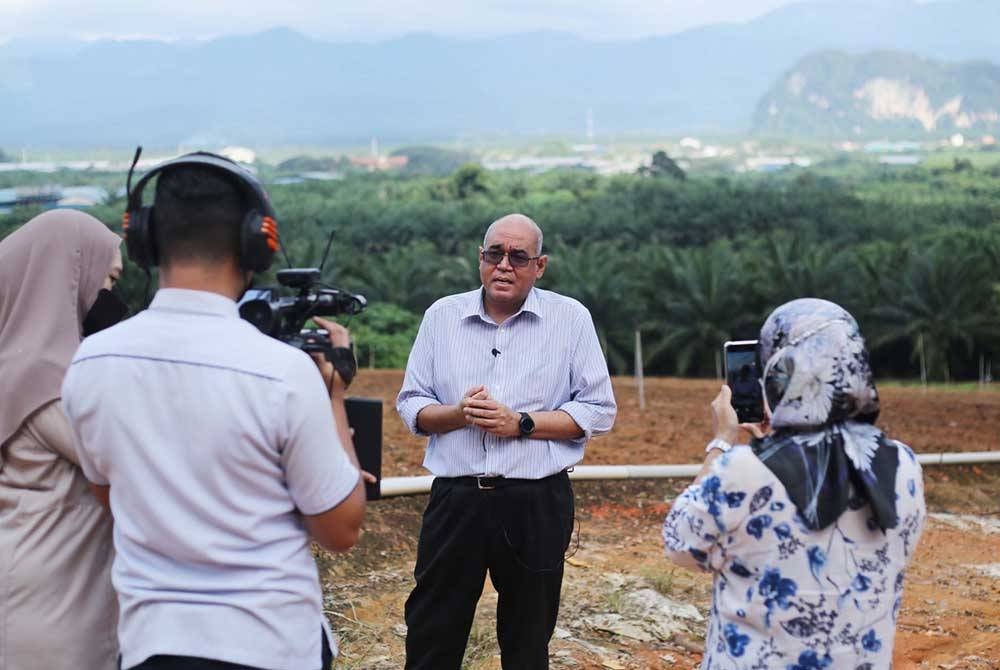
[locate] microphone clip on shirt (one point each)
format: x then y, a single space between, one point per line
495 352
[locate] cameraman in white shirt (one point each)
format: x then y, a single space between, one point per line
221 451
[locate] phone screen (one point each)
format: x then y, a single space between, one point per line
743 378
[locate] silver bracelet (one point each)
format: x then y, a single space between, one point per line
718 443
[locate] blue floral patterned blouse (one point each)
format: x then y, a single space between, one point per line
785 597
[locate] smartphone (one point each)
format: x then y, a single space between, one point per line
743 377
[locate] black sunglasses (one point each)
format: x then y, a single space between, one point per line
517 258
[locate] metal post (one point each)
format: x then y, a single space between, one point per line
639 379
923 362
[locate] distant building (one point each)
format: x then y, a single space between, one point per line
303 177
239 154
534 163
321 175
46 196
776 163
885 147
82 196
379 163
51 196
538 164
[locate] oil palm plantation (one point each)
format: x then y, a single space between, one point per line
695 300
944 305
785 267
598 275
411 276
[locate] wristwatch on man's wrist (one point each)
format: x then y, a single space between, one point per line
718 443
526 425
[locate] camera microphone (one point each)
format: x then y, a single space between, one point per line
495 352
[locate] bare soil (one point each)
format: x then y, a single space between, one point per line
617 577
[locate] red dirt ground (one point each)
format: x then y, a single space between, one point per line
951 611
674 426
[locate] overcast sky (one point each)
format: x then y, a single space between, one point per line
367 20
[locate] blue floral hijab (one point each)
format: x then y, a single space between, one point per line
824 446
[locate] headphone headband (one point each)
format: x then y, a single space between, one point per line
243 178
258 231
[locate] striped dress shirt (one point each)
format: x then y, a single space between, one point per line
544 357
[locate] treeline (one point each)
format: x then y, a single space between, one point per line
913 253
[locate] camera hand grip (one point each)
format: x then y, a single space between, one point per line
343 362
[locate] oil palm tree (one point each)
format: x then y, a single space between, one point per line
411 276
597 274
939 303
696 299
786 267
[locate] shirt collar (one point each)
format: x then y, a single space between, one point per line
474 305
194 302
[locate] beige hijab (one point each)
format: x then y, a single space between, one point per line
51 270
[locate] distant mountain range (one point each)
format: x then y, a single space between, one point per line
280 87
888 93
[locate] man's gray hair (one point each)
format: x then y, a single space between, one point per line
517 217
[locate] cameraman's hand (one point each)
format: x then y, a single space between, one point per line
339 335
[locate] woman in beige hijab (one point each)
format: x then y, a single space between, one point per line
57 606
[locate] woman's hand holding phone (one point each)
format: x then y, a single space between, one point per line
726 425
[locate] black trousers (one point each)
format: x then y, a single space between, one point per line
162 662
518 532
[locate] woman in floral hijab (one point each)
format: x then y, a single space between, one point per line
807 530
824 405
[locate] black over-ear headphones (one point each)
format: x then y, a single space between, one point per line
258 232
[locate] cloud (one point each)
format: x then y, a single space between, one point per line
368 21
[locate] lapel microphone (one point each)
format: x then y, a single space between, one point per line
495 352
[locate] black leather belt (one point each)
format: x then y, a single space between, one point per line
485 483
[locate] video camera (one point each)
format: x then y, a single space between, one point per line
284 317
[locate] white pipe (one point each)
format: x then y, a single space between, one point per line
959 458
592 472
405 486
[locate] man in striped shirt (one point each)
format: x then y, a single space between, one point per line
509 382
